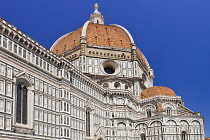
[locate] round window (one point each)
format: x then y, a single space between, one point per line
105 85
116 84
109 69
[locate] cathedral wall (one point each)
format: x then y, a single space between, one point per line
59 99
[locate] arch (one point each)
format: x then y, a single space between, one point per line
141 125
171 122
183 122
165 106
195 122
149 106
155 123
121 125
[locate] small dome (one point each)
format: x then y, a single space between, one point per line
157 90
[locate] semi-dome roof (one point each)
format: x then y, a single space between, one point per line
157 90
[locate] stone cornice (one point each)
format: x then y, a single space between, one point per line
108 48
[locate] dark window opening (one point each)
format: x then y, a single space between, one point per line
143 137
184 135
168 111
109 70
116 84
149 113
21 104
88 122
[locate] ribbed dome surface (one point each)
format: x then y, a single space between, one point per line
157 90
67 42
96 34
107 35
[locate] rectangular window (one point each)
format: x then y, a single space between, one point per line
15 48
44 65
33 57
37 60
2 104
24 53
0 40
5 42
20 51
10 45
28 56
48 66
51 68
40 62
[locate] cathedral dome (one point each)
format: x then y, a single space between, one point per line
157 90
94 32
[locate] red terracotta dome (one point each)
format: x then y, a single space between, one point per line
157 90
94 32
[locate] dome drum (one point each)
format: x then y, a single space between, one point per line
110 67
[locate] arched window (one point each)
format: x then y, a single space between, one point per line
168 111
149 113
184 135
21 104
88 110
143 137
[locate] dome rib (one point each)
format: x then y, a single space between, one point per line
67 42
128 33
55 43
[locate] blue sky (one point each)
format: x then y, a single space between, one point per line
174 35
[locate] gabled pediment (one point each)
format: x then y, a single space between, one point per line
23 77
